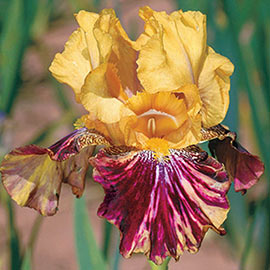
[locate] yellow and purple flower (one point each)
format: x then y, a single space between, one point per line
150 102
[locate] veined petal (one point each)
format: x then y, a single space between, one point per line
243 168
172 201
74 142
33 175
175 50
214 86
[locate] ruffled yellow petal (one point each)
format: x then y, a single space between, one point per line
187 134
115 47
86 21
190 132
117 133
98 99
214 85
173 53
115 79
175 50
185 82
72 65
100 39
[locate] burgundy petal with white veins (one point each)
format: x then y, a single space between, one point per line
162 206
74 142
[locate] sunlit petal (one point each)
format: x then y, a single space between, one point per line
214 85
174 53
87 21
73 64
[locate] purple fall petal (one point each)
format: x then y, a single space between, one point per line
243 168
67 146
33 175
162 207
74 142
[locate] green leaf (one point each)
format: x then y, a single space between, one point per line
14 241
27 258
192 5
28 253
117 257
251 38
107 232
14 39
60 95
88 254
41 20
163 266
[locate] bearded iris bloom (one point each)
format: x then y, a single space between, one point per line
150 102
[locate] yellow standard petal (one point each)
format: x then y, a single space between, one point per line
72 65
115 47
214 85
100 39
99 96
173 54
110 84
86 21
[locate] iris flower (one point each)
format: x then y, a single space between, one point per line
150 102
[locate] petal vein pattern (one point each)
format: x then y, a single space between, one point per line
162 207
33 176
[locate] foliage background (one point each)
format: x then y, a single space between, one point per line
34 108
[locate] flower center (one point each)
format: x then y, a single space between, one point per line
157 114
159 146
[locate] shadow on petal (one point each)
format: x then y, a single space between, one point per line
243 168
162 206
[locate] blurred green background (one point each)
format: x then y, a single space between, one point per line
34 108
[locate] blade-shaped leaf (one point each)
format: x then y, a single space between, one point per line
14 241
26 262
88 254
107 232
14 38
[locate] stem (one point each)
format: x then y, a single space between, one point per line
107 232
163 266
248 245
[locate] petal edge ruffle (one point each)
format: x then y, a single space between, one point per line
33 175
171 203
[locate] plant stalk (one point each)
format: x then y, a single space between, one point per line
163 266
